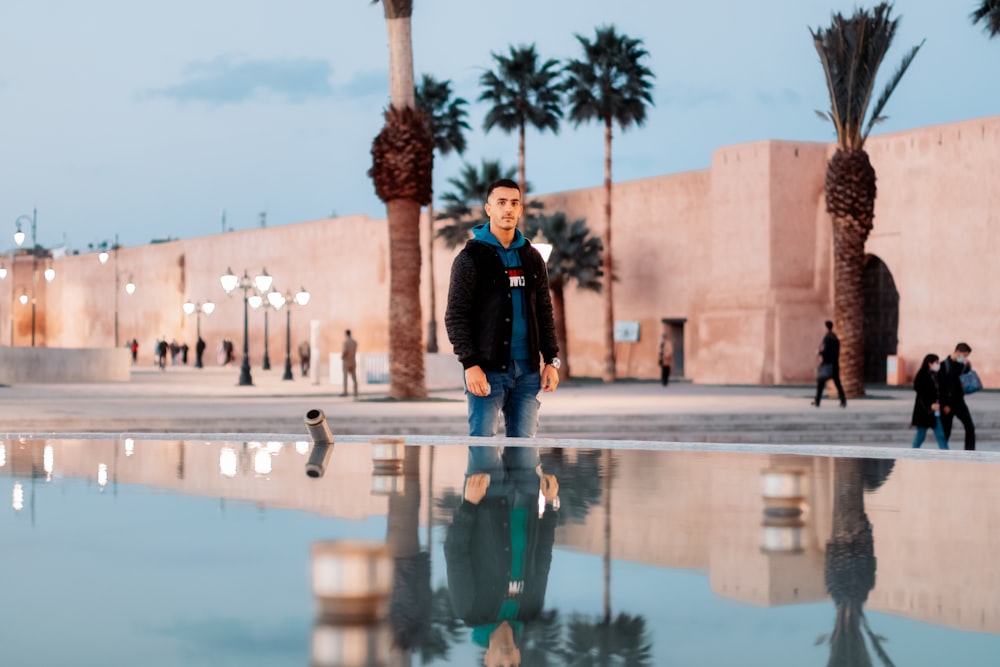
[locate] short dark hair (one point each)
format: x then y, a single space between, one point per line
963 348
347 331
502 183
829 325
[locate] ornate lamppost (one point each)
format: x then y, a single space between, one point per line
278 300
102 257
230 282
263 285
50 273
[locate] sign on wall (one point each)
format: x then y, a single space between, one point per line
626 331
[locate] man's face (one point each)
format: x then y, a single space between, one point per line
504 208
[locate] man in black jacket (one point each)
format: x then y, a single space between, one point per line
499 320
829 366
953 395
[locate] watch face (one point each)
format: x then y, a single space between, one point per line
555 363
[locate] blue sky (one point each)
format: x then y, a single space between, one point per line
147 121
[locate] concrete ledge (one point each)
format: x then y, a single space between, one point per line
21 365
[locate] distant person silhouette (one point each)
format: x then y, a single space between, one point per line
829 366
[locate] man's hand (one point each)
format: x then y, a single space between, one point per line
946 409
550 378
475 381
550 487
475 487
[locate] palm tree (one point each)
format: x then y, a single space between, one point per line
576 257
463 205
522 92
988 13
610 84
402 159
850 564
851 51
447 117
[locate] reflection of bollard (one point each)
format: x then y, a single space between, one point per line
322 438
352 581
351 644
783 498
387 466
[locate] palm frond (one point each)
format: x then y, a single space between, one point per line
988 13
890 86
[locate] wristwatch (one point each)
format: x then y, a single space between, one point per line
554 362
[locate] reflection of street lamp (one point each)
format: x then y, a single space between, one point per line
191 307
278 300
129 286
230 282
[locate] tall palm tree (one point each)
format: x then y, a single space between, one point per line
576 257
463 204
447 117
402 159
611 85
851 51
988 13
522 92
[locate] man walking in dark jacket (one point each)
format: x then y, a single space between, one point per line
829 366
953 395
499 321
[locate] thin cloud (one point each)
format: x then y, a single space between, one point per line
228 81
366 84
694 97
780 98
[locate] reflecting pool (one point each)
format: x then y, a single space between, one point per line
194 552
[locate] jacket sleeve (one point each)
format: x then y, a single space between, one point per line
547 343
458 556
458 313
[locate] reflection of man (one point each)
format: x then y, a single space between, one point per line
499 548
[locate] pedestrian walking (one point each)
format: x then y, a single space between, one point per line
349 357
927 404
305 352
829 366
666 357
953 394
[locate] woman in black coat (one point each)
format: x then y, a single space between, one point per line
927 405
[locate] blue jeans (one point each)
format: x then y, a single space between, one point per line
515 394
515 472
942 442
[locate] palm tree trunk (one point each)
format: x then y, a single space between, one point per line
849 303
432 339
521 176
406 358
609 313
559 317
397 23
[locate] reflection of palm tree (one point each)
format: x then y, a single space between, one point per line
410 607
850 562
444 629
623 641
579 482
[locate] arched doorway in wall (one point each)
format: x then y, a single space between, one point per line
881 318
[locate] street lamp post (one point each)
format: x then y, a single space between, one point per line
230 282
191 307
102 257
263 285
19 240
278 300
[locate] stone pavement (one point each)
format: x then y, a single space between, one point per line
208 401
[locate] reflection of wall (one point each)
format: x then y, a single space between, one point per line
935 523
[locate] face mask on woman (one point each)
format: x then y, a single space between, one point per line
935 367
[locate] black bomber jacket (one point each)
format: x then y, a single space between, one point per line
479 315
